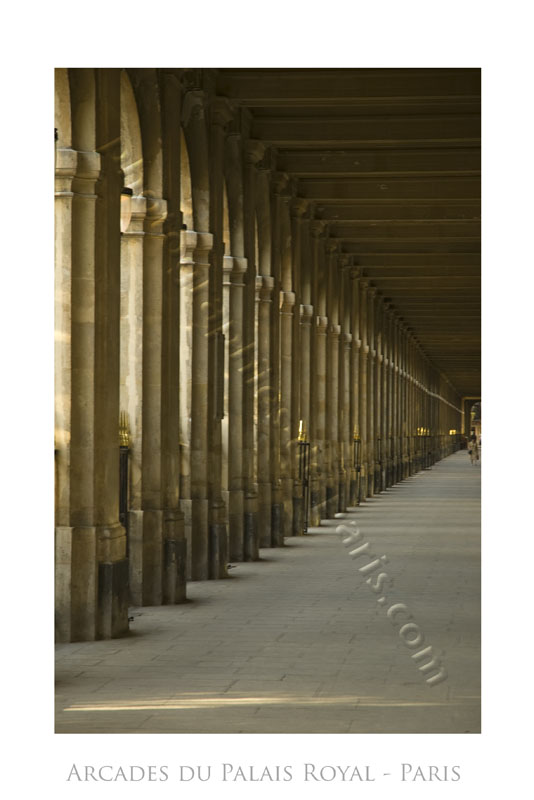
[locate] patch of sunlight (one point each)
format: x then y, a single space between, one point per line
221 702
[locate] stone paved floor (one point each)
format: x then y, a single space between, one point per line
297 643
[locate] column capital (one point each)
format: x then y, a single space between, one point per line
344 262
66 162
138 216
306 314
264 288
188 241
347 341
254 151
193 244
156 214
233 270
317 227
287 302
355 273
332 246
88 164
357 343
221 111
193 106
321 324
280 182
334 331
298 206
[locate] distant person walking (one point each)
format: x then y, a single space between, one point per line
472 447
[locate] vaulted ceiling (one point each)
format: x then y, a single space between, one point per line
391 159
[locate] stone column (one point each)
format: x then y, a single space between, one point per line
355 424
332 383
233 288
318 378
371 409
220 115
69 546
318 477
194 301
345 432
300 371
379 443
151 535
253 153
65 171
387 388
306 315
364 394
332 431
174 544
91 564
264 292
131 384
281 487
287 305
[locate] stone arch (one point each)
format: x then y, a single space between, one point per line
145 88
186 195
233 174
226 235
131 142
263 218
195 135
83 109
62 113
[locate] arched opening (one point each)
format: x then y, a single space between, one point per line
186 192
226 223
62 118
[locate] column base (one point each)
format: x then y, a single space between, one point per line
158 555
250 524
112 599
277 525
264 515
342 494
196 531
145 546
315 504
218 551
332 499
235 503
91 597
287 505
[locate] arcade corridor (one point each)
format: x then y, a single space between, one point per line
267 319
